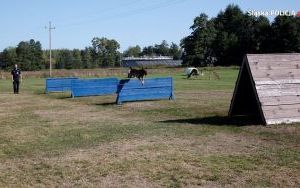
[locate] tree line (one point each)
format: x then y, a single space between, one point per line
29 54
222 40
162 49
226 38
103 52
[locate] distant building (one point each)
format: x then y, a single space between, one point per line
150 61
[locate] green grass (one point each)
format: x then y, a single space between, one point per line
53 140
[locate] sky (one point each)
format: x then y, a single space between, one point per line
130 22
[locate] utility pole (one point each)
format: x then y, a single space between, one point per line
50 28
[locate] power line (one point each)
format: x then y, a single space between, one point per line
104 10
138 10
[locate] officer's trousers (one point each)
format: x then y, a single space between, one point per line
16 84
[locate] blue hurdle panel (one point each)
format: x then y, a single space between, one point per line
59 84
153 89
94 87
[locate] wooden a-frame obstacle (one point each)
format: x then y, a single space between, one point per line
268 88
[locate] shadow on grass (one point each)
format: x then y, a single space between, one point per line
57 95
138 103
219 121
106 104
39 92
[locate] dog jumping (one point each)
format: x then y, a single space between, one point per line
140 74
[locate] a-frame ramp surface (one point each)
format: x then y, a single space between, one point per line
268 88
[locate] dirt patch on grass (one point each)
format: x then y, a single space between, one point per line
145 105
232 144
73 114
219 143
81 112
151 162
284 129
203 94
91 142
285 176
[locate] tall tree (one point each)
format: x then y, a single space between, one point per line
132 51
235 35
30 55
232 34
286 34
37 59
106 51
162 49
76 59
64 59
198 45
175 51
263 35
148 51
87 59
9 58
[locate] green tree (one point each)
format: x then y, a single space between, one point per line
64 59
25 55
262 35
148 51
175 51
162 49
2 65
134 51
198 45
9 58
232 33
87 59
37 52
76 59
286 34
105 51
30 55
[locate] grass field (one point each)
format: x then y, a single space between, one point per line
55 141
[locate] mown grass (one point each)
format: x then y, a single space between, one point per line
53 140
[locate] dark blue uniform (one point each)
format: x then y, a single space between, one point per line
16 73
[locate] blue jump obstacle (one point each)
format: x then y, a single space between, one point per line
94 87
59 84
127 89
153 89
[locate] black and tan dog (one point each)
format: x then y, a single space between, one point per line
140 74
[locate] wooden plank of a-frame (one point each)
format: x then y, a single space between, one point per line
277 74
277 86
282 120
278 92
281 113
278 81
280 100
282 56
274 67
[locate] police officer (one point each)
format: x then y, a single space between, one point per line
16 78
